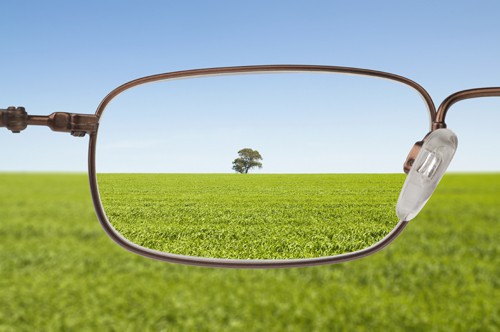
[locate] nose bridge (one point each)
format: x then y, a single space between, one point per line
459 96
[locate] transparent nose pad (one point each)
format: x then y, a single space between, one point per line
427 170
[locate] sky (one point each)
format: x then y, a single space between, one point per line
66 56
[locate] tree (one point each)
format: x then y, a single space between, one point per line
248 159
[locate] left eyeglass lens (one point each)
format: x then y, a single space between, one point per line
332 148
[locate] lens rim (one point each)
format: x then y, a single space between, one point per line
235 263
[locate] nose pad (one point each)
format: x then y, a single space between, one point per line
427 169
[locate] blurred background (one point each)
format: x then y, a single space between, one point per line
58 269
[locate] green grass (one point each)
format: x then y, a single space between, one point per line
252 216
59 272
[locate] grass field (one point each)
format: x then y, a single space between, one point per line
59 272
252 216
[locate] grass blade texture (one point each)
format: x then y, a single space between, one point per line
252 216
60 272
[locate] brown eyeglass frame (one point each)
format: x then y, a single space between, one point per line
16 119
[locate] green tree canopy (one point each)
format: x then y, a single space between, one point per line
247 160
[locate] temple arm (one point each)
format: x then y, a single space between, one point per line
16 119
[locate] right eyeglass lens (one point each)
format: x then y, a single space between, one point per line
332 149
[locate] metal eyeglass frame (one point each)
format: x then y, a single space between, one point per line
16 119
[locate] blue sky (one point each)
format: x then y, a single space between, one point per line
66 56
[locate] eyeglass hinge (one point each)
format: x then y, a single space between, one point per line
16 119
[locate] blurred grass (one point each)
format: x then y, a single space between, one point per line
59 271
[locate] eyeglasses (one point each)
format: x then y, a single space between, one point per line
324 144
